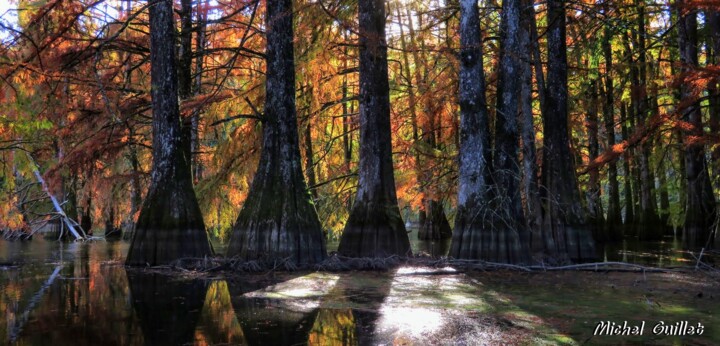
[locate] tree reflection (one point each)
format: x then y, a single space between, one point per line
168 308
350 312
218 322
271 319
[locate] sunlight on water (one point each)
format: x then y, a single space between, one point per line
422 304
308 286
413 322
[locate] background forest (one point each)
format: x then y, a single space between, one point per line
643 109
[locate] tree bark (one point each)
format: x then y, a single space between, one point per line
348 110
509 228
170 225
594 203
700 212
614 217
533 207
469 236
537 61
564 219
200 40
278 219
375 227
648 226
713 22
629 221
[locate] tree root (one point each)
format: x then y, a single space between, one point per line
338 263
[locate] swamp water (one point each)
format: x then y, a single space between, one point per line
80 294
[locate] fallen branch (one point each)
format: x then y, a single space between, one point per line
68 222
597 265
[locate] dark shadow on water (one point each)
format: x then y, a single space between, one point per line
168 308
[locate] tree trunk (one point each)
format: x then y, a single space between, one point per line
713 22
664 198
111 232
279 220
629 188
348 110
86 222
200 39
310 162
170 225
564 219
629 222
375 227
701 209
537 62
533 207
614 217
135 193
648 227
470 239
509 228
596 216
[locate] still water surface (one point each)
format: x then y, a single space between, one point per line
56 293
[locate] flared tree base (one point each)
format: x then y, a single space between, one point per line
614 231
562 241
170 227
435 226
278 222
477 237
650 228
374 230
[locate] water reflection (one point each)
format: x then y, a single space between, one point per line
218 323
334 327
66 292
168 308
270 313
350 311
666 253
55 293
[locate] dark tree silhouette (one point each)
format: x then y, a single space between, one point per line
375 227
564 222
278 219
701 210
170 225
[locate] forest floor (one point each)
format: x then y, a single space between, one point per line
566 307
414 305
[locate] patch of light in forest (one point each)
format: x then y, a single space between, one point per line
411 321
420 270
308 286
421 305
